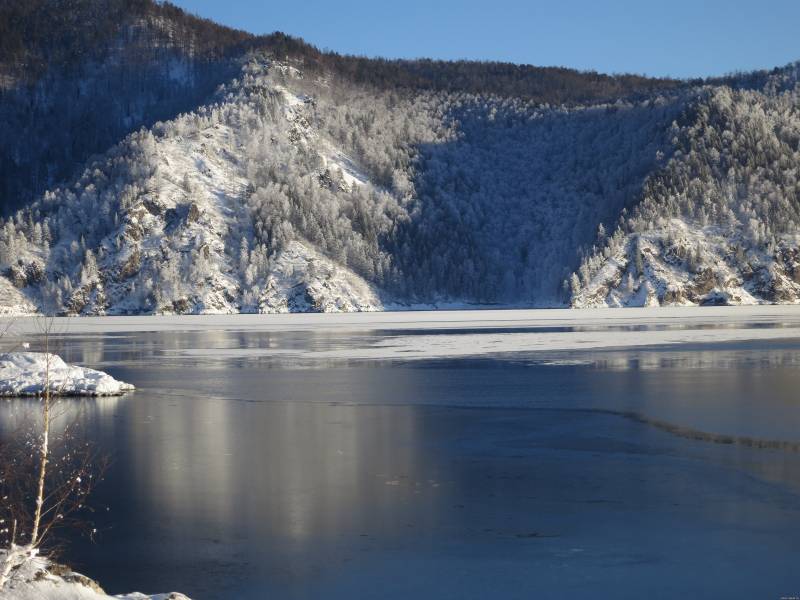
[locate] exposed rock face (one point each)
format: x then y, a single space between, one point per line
673 296
704 282
131 264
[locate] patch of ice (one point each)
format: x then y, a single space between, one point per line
565 362
774 319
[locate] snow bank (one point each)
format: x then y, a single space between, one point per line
37 578
25 373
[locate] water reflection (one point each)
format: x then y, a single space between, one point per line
251 476
286 471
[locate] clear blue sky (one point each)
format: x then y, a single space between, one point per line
680 38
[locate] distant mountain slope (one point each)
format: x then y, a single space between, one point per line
544 85
37 36
273 177
720 223
76 76
375 196
161 224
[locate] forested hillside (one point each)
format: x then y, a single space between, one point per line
721 222
77 76
270 176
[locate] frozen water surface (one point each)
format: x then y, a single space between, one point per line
272 460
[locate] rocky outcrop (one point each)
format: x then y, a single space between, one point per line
685 264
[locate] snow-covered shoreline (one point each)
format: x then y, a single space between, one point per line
35 577
30 373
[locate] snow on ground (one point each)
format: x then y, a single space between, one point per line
203 165
26 374
13 302
37 578
332 157
200 210
304 280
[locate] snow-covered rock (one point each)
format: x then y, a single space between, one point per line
684 264
34 577
26 374
304 280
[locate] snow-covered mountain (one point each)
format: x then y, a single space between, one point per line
720 223
162 223
76 76
314 182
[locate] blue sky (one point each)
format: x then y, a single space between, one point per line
681 38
